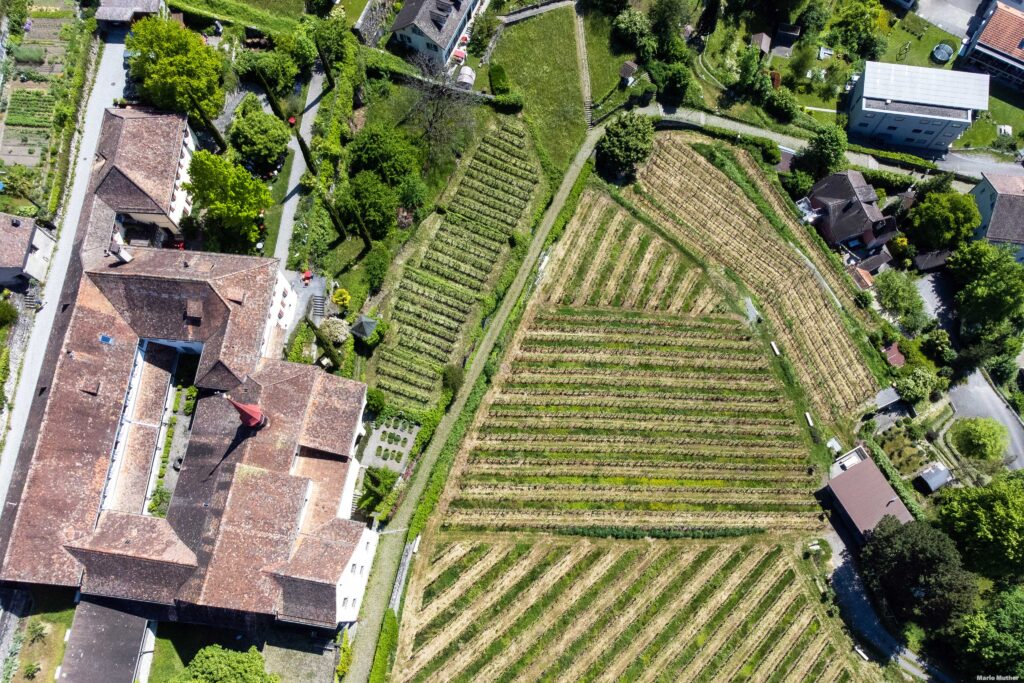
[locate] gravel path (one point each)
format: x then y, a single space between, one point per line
389 551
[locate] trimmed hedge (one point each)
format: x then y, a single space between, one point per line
387 643
889 181
901 159
499 80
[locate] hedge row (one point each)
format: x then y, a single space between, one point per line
901 159
386 646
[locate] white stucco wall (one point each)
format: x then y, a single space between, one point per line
352 586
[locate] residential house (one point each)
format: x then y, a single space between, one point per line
127 11
934 477
1000 200
763 42
433 27
846 213
912 106
142 164
25 250
997 46
862 496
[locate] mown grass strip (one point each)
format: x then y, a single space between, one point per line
512 502
531 615
652 610
613 612
450 575
493 613
474 592
675 668
739 634
570 615
648 654
757 657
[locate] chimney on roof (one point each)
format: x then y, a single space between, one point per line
249 413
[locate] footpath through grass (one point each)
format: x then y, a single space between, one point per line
541 63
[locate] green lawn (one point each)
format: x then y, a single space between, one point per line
603 56
278 190
54 608
540 59
270 15
353 8
919 52
177 644
1005 106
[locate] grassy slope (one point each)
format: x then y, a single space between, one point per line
269 15
540 62
603 57
1005 106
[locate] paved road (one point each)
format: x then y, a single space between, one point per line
977 398
389 550
860 615
522 15
976 164
291 200
109 83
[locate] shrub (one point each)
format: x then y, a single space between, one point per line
191 394
36 631
376 400
376 264
29 54
386 645
8 313
452 378
30 670
782 104
499 80
509 102
341 298
979 437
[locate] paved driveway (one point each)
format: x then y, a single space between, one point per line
953 16
977 398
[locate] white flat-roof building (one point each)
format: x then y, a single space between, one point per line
915 106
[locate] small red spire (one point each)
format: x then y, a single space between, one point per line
249 413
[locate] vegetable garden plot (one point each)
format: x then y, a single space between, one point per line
599 610
438 295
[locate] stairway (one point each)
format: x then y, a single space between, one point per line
318 307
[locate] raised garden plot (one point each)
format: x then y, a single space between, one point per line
30 108
389 444
26 146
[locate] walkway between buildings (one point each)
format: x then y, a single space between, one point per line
108 85
291 199
389 551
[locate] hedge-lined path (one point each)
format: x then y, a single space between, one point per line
389 550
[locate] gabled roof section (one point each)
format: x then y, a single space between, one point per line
1004 32
322 556
1007 221
137 157
137 536
866 496
437 19
15 237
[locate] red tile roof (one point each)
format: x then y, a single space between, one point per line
1005 31
895 356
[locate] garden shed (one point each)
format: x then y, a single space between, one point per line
363 327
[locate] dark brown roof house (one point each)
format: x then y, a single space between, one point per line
848 211
862 495
258 524
1000 200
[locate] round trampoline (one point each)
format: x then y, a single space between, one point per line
942 53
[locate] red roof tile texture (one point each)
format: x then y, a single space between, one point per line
1005 31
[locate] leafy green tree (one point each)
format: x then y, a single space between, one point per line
385 151
813 19
335 38
373 203
987 523
991 641
484 28
944 220
916 573
299 46
898 293
826 152
674 81
632 27
752 82
855 28
781 103
22 181
990 299
980 437
276 66
916 385
258 137
376 264
175 69
230 199
667 17
216 664
628 140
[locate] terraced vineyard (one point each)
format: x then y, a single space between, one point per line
559 610
438 295
687 195
609 259
634 401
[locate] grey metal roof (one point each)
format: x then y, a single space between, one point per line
922 85
886 397
364 327
437 19
936 476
